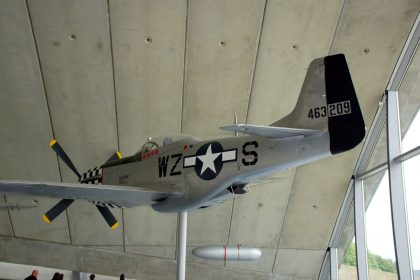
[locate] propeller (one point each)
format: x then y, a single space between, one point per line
64 203
60 152
56 210
109 218
116 156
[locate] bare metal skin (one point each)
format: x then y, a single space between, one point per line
180 173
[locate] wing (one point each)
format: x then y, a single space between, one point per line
124 196
270 131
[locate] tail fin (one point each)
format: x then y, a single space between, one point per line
328 101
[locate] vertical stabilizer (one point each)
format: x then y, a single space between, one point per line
328 101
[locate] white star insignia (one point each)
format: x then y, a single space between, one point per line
208 160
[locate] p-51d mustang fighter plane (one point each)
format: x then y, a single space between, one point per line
174 174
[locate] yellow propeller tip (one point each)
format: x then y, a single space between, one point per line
114 226
45 218
52 142
119 154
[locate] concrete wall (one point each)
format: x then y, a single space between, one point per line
12 271
90 260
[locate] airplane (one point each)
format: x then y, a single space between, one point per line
183 173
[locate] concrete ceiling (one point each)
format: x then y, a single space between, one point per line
100 76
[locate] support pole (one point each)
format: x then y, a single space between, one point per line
334 263
397 190
182 245
77 275
360 226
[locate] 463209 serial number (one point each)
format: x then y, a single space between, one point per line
333 110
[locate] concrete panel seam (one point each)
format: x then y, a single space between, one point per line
115 105
230 223
306 249
46 102
39 240
42 78
343 6
284 219
184 81
10 217
123 229
113 75
255 61
68 226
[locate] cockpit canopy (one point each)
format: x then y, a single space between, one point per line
153 147
161 141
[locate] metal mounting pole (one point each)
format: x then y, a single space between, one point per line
334 263
360 226
182 245
77 275
397 190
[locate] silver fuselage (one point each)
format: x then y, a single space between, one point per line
179 167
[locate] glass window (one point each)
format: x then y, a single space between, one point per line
380 153
411 138
379 234
409 98
379 231
411 181
346 250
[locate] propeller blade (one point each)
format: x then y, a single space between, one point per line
60 152
109 218
56 210
116 156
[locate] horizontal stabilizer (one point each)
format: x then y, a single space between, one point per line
269 131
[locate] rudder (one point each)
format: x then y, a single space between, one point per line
328 101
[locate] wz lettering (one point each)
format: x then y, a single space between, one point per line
164 162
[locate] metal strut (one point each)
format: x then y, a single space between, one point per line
182 245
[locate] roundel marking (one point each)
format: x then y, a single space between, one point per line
208 160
